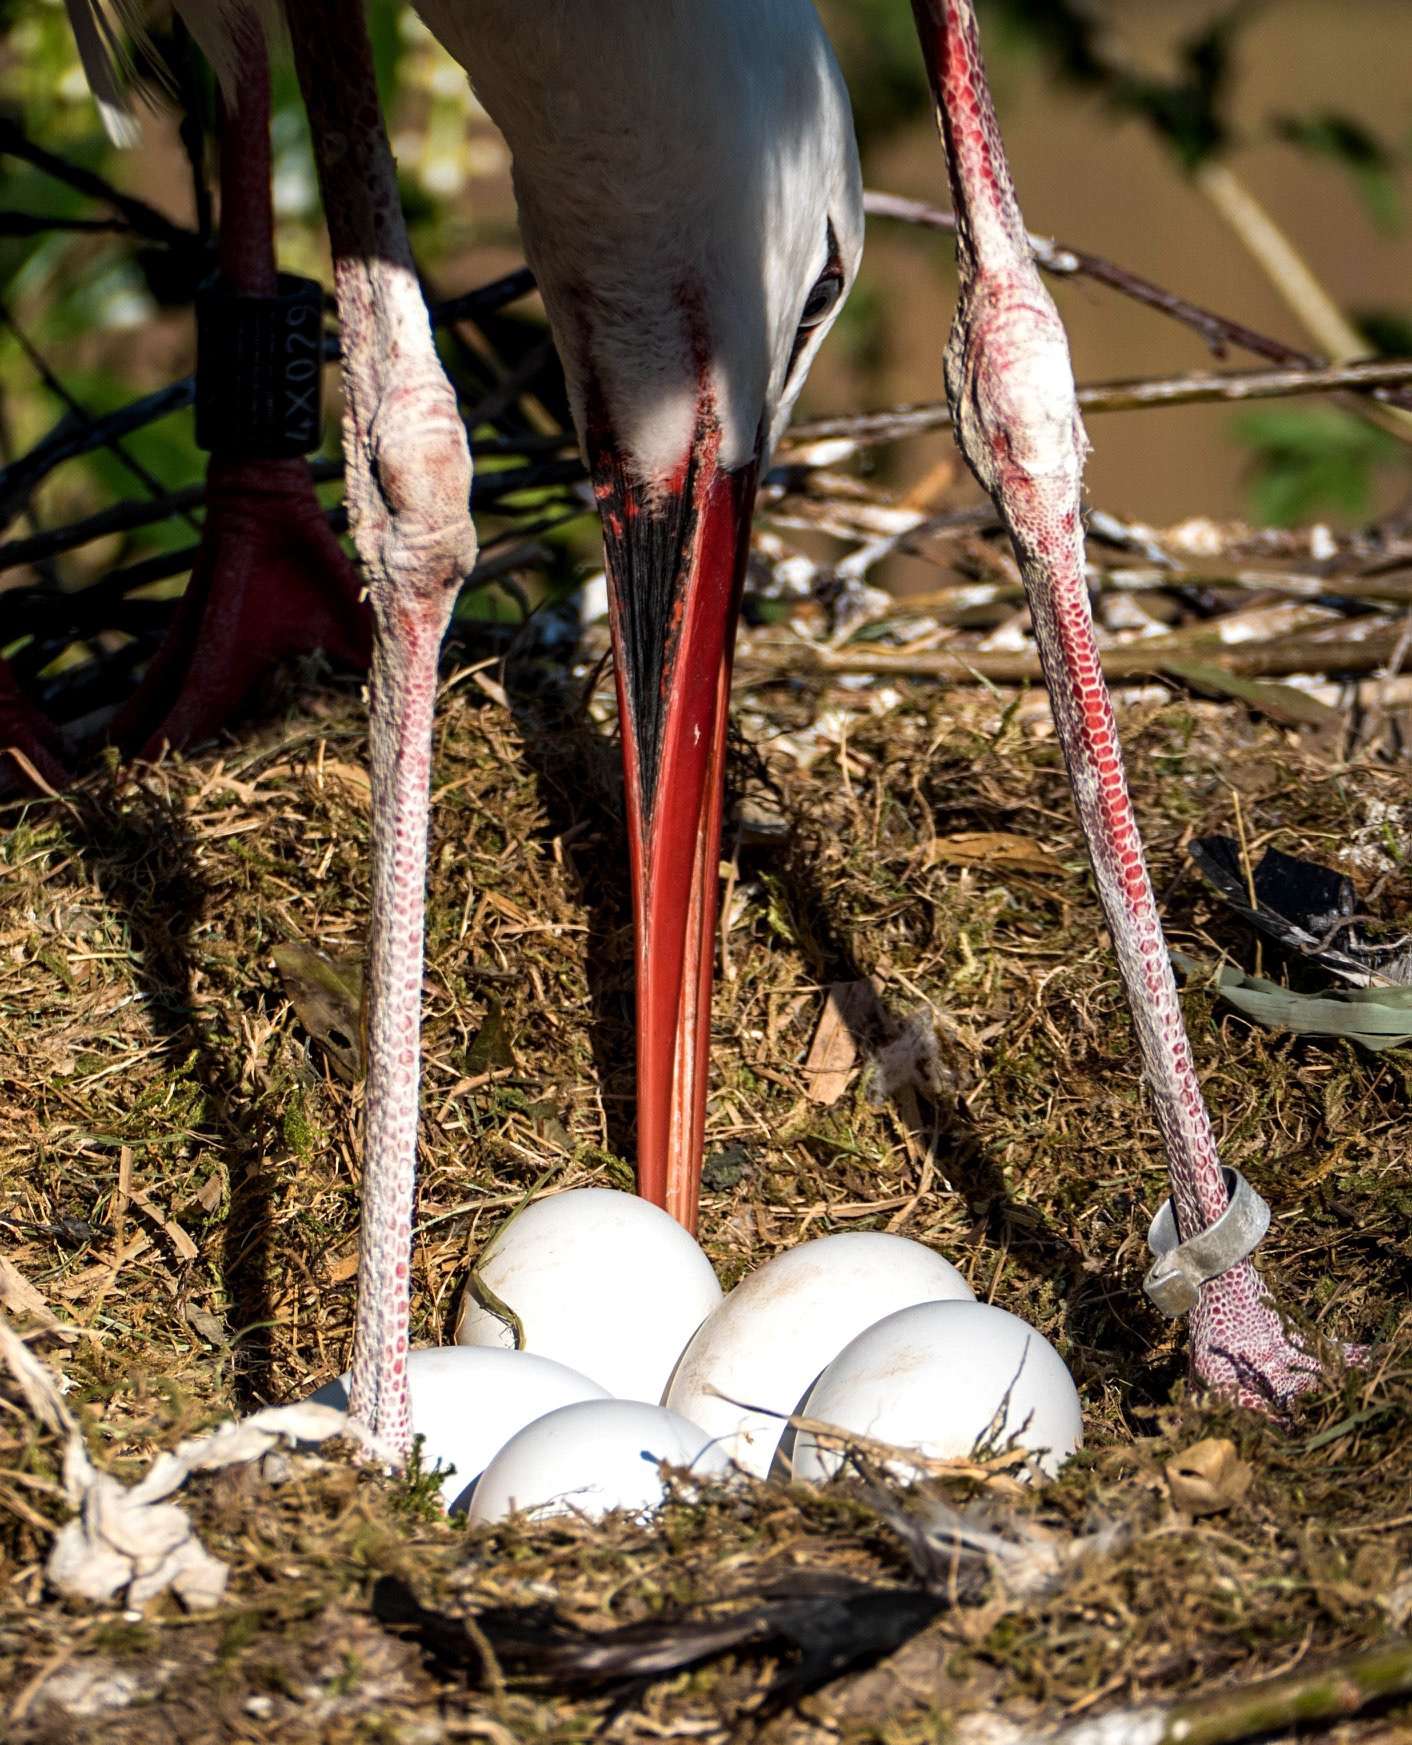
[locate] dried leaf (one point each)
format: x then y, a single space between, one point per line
210 1327
349 776
186 1249
833 1054
1375 1018
995 848
491 1050
1208 1478
327 995
209 1195
19 1297
1284 703
491 688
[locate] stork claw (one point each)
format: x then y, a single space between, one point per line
1243 1350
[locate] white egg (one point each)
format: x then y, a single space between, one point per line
944 1378
588 1459
605 1282
468 1401
767 1342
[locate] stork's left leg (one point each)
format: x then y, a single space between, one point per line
270 579
408 494
1011 387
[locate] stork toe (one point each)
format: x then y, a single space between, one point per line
1242 1349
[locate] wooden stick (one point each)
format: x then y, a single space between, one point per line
1326 1693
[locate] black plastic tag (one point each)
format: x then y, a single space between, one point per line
259 370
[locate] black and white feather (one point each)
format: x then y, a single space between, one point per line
112 36
1310 909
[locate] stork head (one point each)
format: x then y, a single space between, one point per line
691 204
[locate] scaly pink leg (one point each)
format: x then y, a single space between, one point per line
271 579
1011 388
408 492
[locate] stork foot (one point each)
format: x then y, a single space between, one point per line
1240 1346
1242 1350
271 582
31 751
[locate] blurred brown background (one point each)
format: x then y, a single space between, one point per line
1103 182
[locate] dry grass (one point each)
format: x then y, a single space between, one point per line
178 1178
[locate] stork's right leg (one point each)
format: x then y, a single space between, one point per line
1011 388
408 494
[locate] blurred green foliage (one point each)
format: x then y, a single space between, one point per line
1304 460
1372 165
1314 460
1186 107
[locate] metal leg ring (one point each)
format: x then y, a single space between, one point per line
1181 1268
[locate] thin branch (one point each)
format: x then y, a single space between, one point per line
1209 388
131 516
1059 258
155 226
1301 652
1393 590
1289 274
71 437
146 220
76 410
1325 1693
1127 396
1292 277
14 223
1218 331
484 299
123 517
88 605
127 517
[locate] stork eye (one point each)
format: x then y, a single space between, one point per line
822 300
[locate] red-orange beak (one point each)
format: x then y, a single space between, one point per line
675 557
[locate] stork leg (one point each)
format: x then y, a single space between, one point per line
270 580
408 494
1011 388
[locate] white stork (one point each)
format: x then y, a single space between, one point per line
690 201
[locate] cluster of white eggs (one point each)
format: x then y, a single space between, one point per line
629 1357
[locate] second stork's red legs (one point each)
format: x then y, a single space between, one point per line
270 580
1010 383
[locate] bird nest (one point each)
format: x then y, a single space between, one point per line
916 1028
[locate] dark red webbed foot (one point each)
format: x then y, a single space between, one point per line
271 582
32 752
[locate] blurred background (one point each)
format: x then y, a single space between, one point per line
1160 135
